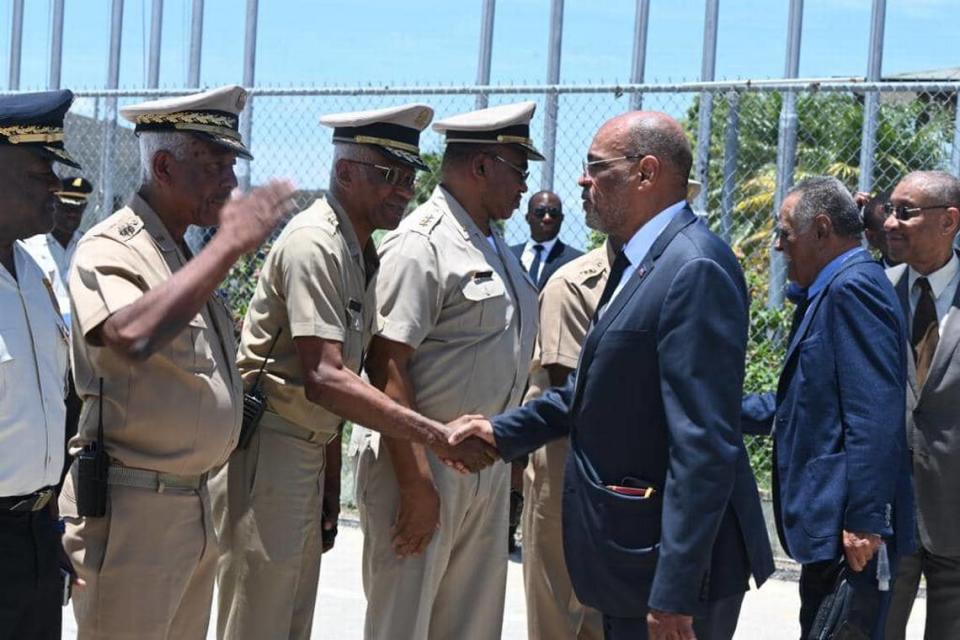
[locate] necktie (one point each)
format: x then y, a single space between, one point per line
534 270
620 263
926 332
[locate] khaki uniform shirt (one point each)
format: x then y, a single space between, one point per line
178 411
33 379
316 281
567 304
468 310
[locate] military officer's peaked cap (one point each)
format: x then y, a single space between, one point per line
213 114
74 190
395 130
504 124
35 121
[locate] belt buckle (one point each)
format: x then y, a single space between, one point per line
35 502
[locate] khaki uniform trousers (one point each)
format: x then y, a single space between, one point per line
456 587
267 509
149 564
553 611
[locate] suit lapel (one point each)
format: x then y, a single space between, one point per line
683 219
902 287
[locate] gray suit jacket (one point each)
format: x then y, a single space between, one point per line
933 430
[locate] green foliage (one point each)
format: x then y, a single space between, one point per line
427 180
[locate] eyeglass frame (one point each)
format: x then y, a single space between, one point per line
523 173
387 172
585 165
903 212
542 211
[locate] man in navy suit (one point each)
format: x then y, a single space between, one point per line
661 518
544 252
841 467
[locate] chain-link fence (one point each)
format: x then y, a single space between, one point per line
759 136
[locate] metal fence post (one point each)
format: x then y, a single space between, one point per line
731 146
786 149
552 99
156 31
955 152
16 45
486 50
871 100
249 69
196 44
638 69
110 116
56 45
707 72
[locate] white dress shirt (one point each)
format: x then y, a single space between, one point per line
54 259
640 244
526 258
33 377
943 285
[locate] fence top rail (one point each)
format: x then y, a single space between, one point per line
807 85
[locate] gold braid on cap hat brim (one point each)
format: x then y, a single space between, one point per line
31 133
187 117
383 142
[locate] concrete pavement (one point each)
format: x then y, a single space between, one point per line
767 614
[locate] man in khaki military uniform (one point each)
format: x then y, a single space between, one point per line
146 324
315 299
459 322
567 305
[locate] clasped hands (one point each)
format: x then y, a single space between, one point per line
469 445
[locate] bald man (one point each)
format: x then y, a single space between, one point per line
662 524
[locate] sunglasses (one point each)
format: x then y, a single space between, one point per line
393 176
553 212
903 212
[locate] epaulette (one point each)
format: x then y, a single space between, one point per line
425 221
126 226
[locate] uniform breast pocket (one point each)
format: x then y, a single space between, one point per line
486 300
191 350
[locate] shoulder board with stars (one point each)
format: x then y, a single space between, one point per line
125 228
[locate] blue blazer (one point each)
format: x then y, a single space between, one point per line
656 397
840 450
559 255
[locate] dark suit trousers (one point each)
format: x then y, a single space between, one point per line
718 623
943 595
30 586
869 608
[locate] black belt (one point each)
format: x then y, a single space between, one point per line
32 502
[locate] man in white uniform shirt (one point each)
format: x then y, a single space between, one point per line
33 369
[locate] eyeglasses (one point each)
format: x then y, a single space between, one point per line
553 212
394 176
523 173
589 166
903 212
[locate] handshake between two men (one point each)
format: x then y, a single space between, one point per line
470 445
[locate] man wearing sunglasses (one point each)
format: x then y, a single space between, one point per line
921 225
459 322
310 320
544 252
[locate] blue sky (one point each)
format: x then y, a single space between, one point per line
381 42
350 42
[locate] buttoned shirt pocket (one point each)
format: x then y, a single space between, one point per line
191 350
487 296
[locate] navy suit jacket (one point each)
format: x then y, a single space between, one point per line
559 255
656 397
840 450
